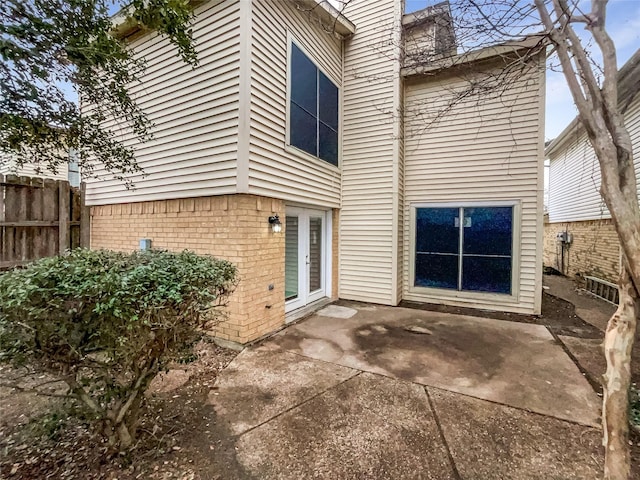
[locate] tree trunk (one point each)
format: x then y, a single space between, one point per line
118 436
124 437
618 343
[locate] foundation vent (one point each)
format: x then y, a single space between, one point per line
601 288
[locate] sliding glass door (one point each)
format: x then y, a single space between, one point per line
464 248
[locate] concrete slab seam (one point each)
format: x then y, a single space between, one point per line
308 357
432 407
595 385
493 402
422 385
307 400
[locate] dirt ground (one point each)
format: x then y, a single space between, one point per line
558 315
39 439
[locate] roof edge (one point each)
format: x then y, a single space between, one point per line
124 25
330 14
474 56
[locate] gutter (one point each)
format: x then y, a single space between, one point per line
124 25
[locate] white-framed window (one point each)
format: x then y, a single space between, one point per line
313 108
465 248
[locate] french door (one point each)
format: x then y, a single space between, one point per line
305 256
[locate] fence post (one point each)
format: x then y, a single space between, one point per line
63 216
3 241
85 218
1 197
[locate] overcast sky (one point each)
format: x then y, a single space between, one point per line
623 22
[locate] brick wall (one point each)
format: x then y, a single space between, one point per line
233 227
594 249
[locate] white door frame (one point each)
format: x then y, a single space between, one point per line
304 296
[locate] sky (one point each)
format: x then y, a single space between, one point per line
623 20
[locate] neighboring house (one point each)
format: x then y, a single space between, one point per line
70 172
579 237
298 112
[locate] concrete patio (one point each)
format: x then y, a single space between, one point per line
362 391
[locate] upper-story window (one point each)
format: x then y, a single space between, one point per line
313 109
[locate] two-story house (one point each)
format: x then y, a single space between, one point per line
337 155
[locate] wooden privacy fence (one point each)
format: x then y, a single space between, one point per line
40 218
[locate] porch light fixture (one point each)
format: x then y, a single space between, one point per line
276 225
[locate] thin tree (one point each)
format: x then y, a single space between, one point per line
595 95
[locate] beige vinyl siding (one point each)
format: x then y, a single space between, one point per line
574 174
419 43
194 112
274 169
485 149
371 155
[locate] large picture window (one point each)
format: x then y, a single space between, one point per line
313 109
466 248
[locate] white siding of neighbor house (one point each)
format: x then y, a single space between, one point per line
574 174
483 150
273 169
8 166
371 158
194 112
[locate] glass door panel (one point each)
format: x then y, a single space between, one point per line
486 274
487 252
466 248
291 257
488 231
305 256
315 254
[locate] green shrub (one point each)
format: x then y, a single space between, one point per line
106 323
634 408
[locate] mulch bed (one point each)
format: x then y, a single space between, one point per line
49 443
558 315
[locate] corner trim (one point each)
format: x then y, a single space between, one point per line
537 303
244 102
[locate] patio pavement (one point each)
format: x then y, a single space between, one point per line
362 391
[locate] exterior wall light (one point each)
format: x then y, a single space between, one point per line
276 225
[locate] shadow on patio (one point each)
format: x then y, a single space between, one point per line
363 391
